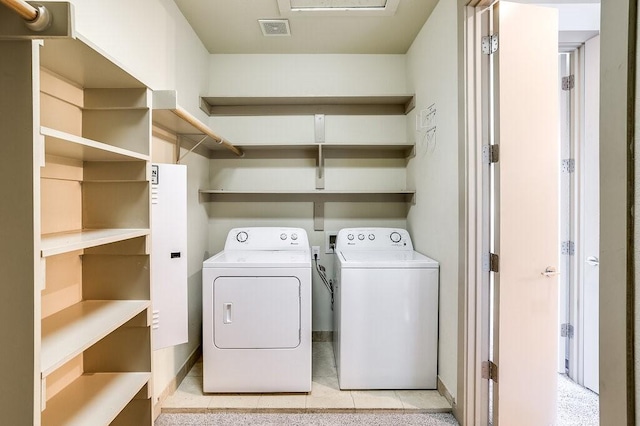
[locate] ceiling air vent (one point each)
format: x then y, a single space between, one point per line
274 27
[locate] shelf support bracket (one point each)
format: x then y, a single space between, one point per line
318 215
320 169
319 138
188 152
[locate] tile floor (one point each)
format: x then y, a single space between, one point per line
325 395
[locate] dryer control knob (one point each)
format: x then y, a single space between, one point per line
372 237
283 236
350 237
242 236
361 237
294 237
395 237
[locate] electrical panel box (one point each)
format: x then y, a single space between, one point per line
169 254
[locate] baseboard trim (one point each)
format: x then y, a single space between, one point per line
445 392
171 388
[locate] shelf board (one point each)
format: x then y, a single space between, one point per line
64 144
69 332
306 105
79 61
309 195
330 150
93 399
53 244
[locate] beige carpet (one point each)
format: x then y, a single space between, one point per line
314 419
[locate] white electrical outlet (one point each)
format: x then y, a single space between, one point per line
330 242
315 252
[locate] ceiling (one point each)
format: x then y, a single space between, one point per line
231 26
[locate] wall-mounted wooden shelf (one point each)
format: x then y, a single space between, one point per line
80 61
318 197
94 399
307 105
329 150
66 242
69 332
168 115
64 144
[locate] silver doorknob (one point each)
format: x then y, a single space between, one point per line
550 272
593 261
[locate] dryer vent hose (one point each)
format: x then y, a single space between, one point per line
322 272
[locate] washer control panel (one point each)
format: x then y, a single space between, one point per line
373 239
266 238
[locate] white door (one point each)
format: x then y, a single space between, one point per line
256 312
526 214
590 190
169 255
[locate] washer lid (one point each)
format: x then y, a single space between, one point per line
385 259
259 259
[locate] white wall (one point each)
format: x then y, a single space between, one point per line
616 98
432 69
152 41
299 75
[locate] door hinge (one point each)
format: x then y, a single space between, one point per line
490 262
568 82
490 371
566 330
568 247
489 44
490 154
568 165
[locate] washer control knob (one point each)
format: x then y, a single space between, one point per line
294 237
372 237
283 236
350 237
395 237
361 237
242 236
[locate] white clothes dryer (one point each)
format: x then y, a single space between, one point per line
257 313
385 312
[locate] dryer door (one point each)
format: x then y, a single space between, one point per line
256 312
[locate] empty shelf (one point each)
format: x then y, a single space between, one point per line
53 244
297 105
64 144
69 332
310 195
93 399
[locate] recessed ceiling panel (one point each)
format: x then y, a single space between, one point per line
338 7
316 4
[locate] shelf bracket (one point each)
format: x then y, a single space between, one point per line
179 159
318 215
320 169
319 138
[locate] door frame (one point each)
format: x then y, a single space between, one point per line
474 398
619 24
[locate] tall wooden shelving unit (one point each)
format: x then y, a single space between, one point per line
74 250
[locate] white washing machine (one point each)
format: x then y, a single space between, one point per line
385 312
257 313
